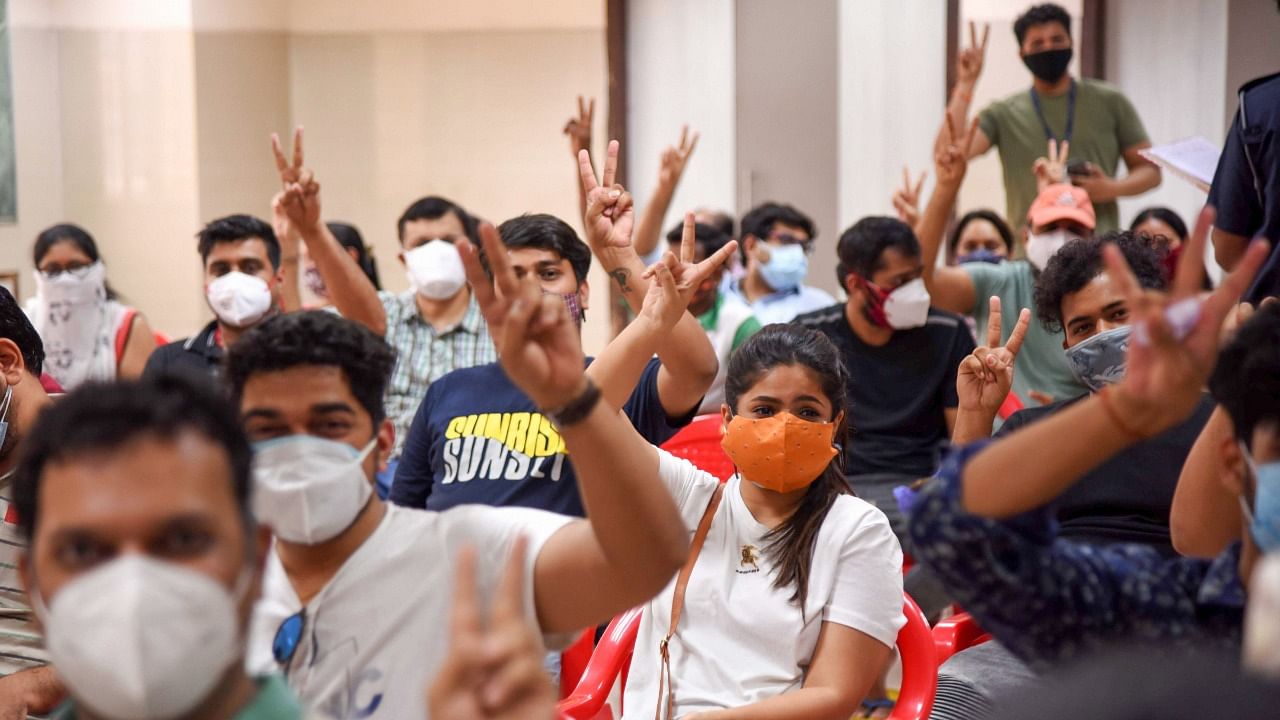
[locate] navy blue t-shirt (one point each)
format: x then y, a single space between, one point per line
1249 205
477 439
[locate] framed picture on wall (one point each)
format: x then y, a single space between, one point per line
9 280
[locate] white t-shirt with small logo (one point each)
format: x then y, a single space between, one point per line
740 640
379 630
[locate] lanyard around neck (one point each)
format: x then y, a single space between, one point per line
1071 113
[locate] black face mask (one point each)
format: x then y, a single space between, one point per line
1049 65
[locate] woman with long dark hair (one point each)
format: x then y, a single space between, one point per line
794 599
88 333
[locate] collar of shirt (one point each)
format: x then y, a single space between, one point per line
273 701
472 320
205 342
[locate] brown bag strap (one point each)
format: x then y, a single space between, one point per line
677 603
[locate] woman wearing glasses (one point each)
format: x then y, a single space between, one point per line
88 334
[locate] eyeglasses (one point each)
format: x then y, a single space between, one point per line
288 637
783 238
76 271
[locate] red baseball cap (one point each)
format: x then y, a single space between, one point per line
1062 201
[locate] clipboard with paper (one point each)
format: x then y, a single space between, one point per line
1193 159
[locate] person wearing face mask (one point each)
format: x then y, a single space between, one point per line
1059 213
727 320
900 353
980 236
791 598
312 285
1124 501
88 334
777 241
143 560
1094 118
28 684
994 542
458 430
435 326
356 591
473 417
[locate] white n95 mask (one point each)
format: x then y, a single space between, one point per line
907 306
142 639
1043 246
239 300
435 270
309 489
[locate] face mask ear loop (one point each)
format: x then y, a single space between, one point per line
4 404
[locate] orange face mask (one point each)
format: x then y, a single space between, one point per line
780 453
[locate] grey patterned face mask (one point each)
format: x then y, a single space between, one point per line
1100 360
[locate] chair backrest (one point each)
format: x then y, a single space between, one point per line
613 654
609 662
574 659
956 633
919 666
699 443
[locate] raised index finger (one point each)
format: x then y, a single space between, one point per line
973 35
297 148
499 264
1019 332
281 163
986 32
1186 277
610 164
465 618
586 171
688 240
993 322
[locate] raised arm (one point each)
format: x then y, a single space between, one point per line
634 538
968 69
290 243
1162 385
689 362
578 129
950 288
984 378
649 231
349 288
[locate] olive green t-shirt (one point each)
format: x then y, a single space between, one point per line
1105 126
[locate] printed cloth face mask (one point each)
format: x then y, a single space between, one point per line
1100 360
781 452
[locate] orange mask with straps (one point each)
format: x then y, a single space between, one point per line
780 453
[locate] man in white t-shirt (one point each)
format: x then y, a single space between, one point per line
356 592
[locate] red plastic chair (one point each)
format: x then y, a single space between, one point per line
613 656
956 633
1012 404
699 443
574 659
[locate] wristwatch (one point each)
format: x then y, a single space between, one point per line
577 409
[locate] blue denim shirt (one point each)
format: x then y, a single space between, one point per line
1049 599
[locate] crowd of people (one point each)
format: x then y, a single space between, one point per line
339 502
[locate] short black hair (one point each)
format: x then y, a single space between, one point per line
1246 380
318 338
548 232
16 326
761 219
64 232
991 216
1080 261
861 247
1164 215
433 207
723 221
708 237
235 228
348 236
104 417
1041 15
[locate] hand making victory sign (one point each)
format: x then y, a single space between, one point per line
676 280
985 376
1052 168
301 199
970 60
906 199
494 667
610 215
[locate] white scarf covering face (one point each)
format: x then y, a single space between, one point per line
70 311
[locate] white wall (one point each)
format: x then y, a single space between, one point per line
892 89
680 59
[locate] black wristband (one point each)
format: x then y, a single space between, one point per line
577 409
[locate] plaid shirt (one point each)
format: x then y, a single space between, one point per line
1049 599
424 355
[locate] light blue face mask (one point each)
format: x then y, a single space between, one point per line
4 414
786 268
1100 360
1264 519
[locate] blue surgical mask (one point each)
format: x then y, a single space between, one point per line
786 268
4 413
1100 360
983 256
1264 519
